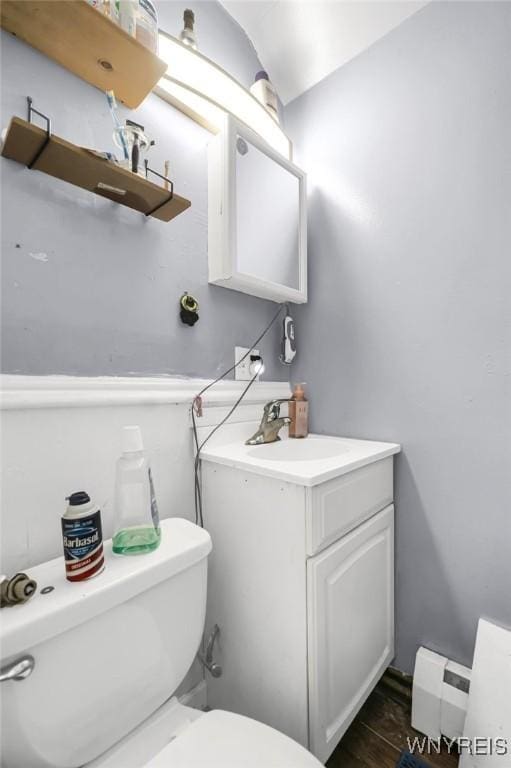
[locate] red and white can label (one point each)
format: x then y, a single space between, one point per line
83 546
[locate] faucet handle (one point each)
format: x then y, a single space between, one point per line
270 424
272 409
274 412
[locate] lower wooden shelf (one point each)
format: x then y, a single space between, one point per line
76 165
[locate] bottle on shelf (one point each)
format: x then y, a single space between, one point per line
128 16
147 25
264 91
111 9
187 34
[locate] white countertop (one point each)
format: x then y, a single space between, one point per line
308 461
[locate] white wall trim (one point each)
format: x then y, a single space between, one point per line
21 392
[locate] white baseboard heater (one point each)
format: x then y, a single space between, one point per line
439 696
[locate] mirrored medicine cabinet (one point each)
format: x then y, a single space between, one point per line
257 228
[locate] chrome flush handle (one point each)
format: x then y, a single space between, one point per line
19 669
207 660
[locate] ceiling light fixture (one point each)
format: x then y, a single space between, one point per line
205 92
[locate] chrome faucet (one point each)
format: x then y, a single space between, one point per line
270 425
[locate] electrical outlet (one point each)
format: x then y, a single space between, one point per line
242 371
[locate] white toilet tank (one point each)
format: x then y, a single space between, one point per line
108 652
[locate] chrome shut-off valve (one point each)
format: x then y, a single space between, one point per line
206 659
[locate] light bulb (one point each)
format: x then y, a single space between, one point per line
256 367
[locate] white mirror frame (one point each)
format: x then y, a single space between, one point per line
222 237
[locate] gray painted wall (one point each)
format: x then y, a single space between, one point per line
407 335
91 288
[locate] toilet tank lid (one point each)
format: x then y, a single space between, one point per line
68 604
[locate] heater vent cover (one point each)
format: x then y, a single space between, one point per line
440 695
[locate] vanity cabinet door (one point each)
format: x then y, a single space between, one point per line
350 590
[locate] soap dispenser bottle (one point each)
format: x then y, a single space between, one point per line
298 410
137 527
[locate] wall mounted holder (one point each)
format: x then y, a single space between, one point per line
188 309
41 150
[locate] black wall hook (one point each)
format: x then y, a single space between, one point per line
188 309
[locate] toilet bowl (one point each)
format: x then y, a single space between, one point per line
107 654
181 737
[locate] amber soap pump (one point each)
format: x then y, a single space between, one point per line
298 413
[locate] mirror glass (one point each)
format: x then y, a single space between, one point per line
267 217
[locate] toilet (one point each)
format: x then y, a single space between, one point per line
102 660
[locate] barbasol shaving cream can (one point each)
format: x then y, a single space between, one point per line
82 537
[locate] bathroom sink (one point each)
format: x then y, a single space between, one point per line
306 449
307 461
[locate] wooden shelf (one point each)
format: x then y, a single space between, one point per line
86 42
80 167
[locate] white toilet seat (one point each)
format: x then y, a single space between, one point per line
219 739
177 736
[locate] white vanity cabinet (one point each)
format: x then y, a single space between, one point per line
301 583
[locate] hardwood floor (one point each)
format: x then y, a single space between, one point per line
379 734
